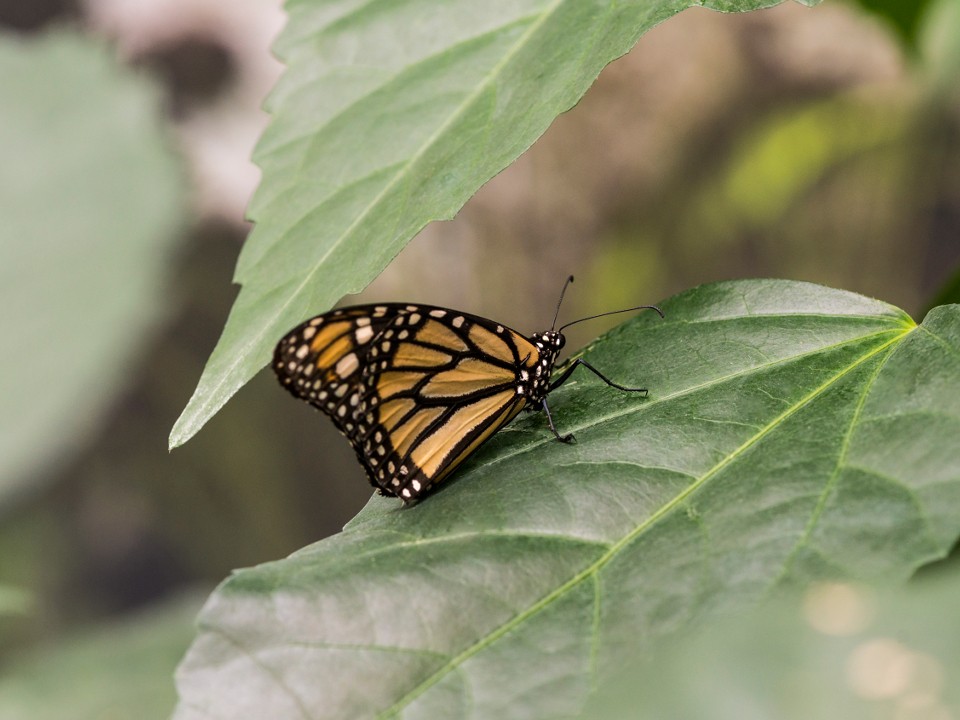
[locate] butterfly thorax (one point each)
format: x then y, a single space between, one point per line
549 344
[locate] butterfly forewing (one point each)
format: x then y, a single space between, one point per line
415 389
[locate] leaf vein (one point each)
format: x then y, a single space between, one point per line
831 483
267 670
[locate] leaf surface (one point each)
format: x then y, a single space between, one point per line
792 433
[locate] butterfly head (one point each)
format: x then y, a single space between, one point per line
549 343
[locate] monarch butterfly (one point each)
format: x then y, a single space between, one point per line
416 388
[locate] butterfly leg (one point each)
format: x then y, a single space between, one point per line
580 361
568 438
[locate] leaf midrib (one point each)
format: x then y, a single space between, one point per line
616 547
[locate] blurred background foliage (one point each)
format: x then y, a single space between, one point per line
839 651
816 144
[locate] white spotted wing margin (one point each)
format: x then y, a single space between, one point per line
415 389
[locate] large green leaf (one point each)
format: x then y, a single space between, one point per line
90 199
391 115
792 432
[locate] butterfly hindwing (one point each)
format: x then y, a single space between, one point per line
321 360
416 389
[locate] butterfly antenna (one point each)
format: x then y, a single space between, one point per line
557 313
613 312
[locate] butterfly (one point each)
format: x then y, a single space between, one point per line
417 389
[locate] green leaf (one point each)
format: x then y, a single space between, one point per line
845 652
904 17
391 115
792 433
90 199
119 670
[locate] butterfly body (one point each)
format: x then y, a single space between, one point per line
392 376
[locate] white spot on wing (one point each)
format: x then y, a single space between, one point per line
347 364
364 332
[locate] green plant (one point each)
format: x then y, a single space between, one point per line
794 434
